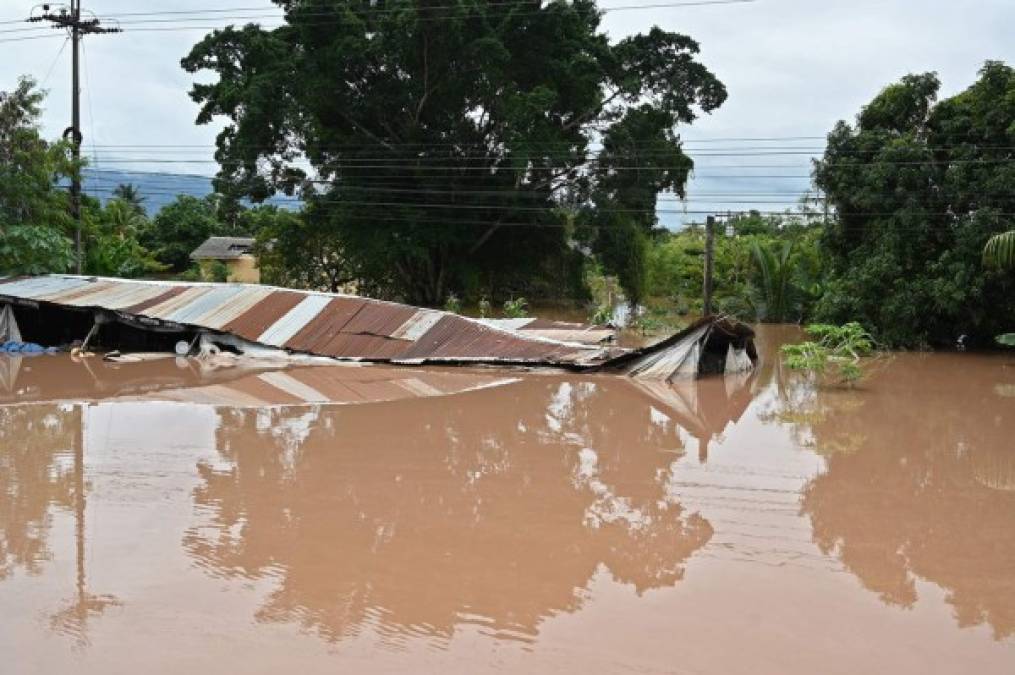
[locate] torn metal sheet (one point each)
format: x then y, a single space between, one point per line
362 329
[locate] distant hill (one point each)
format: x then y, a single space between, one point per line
158 189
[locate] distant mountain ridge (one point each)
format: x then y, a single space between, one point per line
158 189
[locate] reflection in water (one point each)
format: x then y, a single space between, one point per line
42 466
498 510
36 472
465 506
920 483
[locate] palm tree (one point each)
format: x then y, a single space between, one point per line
778 293
128 192
1000 250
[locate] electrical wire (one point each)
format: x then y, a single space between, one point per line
52 66
241 14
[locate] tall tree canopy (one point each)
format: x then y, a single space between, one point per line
34 218
919 187
451 143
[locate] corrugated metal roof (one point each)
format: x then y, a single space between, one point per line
319 323
349 327
564 331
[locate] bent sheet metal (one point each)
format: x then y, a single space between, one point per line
362 329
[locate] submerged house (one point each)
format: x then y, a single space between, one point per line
158 315
235 253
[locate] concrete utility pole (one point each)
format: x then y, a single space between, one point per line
69 17
709 263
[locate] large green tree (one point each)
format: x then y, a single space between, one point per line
454 141
34 217
919 186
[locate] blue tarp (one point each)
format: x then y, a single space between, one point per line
14 347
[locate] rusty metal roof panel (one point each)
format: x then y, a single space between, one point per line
418 325
252 323
206 303
219 315
457 338
164 295
359 346
293 321
380 318
323 328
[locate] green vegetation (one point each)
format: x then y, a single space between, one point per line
1000 250
452 149
34 219
484 307
516 308
453 304
181 227
112 246
766 269
919 186
833 355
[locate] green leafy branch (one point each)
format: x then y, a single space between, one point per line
835 353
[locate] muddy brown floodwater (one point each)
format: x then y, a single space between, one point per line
156 518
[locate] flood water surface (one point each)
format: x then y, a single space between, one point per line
155 518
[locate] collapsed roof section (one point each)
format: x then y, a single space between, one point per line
361 329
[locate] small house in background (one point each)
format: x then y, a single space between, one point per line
235 254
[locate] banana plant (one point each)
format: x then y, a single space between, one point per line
1000 250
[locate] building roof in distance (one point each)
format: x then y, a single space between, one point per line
223 248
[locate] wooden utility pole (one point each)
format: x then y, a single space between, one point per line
709 263
69 17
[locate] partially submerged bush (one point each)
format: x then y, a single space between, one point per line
516 308
601 315
485 308
835 352
453 304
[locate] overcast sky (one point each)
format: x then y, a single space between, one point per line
792 67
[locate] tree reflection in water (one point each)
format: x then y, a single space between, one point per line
496 508
36 473
920 483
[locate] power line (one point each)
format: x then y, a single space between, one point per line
387 177
506 166
52 66
248 13
558 208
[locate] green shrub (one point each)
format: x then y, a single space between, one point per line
453 304
834 354
516 308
